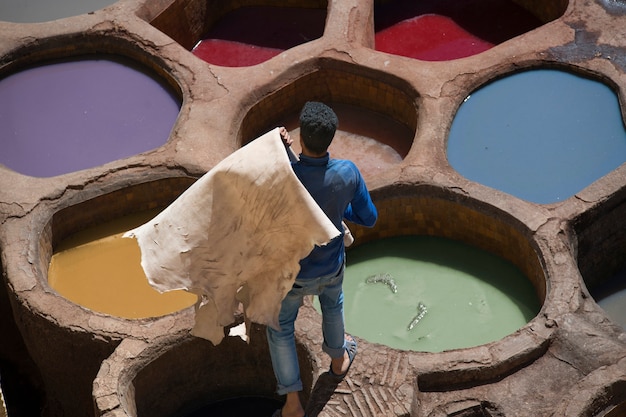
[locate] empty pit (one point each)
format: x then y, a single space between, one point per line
189 377
377 114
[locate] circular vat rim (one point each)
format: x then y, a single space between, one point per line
159 17
119 380
556 11
82 338
106 43
485 77
114 45
450 368
136 191
382 93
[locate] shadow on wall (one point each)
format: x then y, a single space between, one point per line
19 377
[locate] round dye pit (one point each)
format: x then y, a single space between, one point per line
541 135
436 30
375 136
566 361
371 140
34 11
83 337
601 243
243 406
95 267
251 35
432 294
611 296
237 35
617 411
75 114
99 269
190 377
433 276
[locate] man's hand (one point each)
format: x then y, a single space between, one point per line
284 135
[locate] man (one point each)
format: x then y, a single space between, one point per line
339 189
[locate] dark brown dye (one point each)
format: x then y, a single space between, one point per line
242 406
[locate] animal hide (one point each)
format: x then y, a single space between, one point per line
235 237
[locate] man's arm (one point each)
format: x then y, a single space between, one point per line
361 209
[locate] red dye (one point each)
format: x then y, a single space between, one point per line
233 54
429 38
432 30
439 30
251 35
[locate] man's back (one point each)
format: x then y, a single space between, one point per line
339 189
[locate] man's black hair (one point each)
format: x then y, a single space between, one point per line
318 124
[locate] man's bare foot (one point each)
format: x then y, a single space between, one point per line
339 366
292 407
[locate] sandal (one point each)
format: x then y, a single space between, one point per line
351 348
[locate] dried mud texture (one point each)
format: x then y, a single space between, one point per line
568 361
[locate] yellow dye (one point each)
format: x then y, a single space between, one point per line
99 269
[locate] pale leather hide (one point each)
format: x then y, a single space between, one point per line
235 236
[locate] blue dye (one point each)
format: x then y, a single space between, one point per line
540 135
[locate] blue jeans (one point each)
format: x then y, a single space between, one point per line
282 343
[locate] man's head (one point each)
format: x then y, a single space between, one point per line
318 124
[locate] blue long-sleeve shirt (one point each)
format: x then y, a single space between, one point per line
339 189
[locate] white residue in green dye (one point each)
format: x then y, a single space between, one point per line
473 297
383 279
421 312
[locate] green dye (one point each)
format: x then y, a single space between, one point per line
472 297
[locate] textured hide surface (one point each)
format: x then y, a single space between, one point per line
235 236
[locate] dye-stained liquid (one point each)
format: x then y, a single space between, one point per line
242 406
374 142
433 294
99 269
541 135
414 38
441 30
611 296
617 411
33 11
251 35
72 115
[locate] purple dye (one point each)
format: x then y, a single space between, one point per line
72 115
